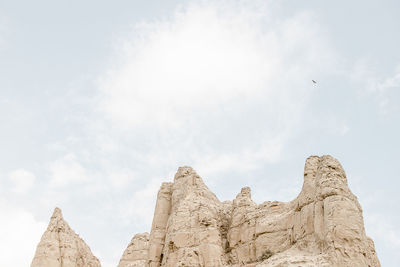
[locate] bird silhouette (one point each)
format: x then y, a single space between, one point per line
313 81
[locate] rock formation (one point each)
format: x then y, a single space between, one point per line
323 226
136 254
60 246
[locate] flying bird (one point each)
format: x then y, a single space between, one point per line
313 81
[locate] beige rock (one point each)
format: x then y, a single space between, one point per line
160 220
136 254
323 226
193 236
60 246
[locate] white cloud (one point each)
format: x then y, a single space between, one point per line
380 223
4 26
140 207
22 180
67 170
218 81
20 233
247 159
382 87
386 88
383 229
384 233
122 178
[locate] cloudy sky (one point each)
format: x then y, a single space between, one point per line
101 101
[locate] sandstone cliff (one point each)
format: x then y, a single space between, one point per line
323 226
60 246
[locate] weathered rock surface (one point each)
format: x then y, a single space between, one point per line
136 254
60 246
323 226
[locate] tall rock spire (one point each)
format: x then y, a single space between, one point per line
186 224
60 246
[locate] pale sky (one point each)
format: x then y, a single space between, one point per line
101 101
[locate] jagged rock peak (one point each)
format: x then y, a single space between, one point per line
244 198
57 214
136 254
184 172
187 183
60 246
323 226
245 192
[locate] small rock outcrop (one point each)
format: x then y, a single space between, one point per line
60 246
323 226
136 254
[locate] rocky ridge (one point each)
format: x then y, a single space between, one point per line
323 226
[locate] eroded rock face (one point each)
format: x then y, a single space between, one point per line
136 254
323 226
60 246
